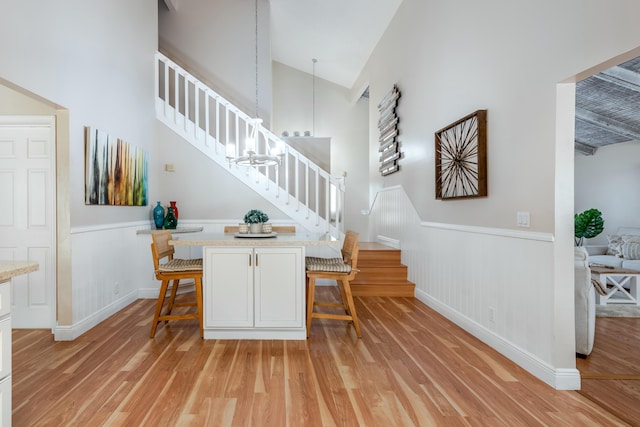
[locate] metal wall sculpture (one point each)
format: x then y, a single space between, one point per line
388 124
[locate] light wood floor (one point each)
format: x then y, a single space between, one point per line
611 373
411 367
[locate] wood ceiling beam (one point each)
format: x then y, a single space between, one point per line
608 124
622 77
172 5
585 149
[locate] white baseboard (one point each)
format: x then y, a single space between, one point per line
70 333
394 243
148 293
152 293
560 379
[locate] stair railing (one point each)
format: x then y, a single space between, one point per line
299 187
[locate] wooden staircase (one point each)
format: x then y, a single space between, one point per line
381 272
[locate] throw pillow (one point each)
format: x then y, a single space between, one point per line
630 238
631 250
615 242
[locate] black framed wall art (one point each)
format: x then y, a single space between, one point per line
461 158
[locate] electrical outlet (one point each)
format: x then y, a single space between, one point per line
116 288
492 315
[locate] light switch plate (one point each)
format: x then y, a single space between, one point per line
523 219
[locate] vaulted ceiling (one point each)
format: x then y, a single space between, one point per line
341 35
608 108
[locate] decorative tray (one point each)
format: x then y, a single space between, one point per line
256 235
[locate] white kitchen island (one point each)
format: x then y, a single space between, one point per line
8 270
254 288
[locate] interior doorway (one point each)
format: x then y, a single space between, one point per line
28 217
606 172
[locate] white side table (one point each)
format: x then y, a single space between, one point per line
614 281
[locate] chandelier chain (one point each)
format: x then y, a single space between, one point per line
313 112
256 59
252 154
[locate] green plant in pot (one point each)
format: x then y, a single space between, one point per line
587 225
255 218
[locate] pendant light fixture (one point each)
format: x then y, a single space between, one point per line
251 155
313 116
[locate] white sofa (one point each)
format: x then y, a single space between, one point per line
585 304
623 250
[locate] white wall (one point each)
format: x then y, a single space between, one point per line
217 41
337 116
94 59
481 278
16 103
502 56
511 59
202 189
608 181
92 63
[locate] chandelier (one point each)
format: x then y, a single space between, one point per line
251 155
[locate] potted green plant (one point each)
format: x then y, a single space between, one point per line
587 225
255 218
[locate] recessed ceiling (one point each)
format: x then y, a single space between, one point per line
608 107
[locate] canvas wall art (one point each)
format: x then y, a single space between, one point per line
116 172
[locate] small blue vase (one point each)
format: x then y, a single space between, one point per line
158 216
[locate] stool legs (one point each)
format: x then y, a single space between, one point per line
352 307
159 304
162 295
198 284
311 289
172 298
347 304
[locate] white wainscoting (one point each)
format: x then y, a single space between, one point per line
105 274
112 267
495 283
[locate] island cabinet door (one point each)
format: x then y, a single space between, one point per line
228 287
279 287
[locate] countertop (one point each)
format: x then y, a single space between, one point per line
284 239
178 230
9 269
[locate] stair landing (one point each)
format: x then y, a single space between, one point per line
381 272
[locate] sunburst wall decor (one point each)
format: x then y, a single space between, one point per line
461 158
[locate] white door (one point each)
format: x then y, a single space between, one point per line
27 214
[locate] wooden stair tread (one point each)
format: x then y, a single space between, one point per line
378 268
379 280
381 272
376 258
375 246
376 290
